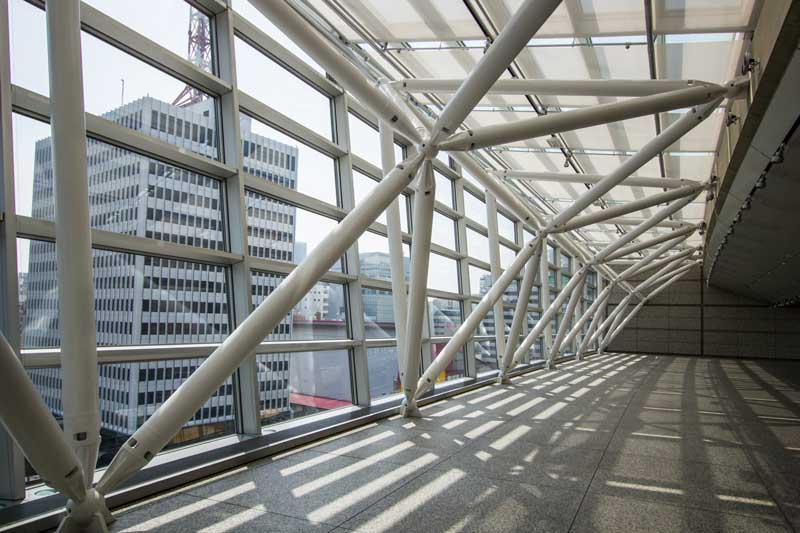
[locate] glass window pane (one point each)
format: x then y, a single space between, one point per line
148 94
442 273
131 392
507 256
444 316
365 141
527 236
128 193
457 368
279 231
505 227
378 313
294 385
480 281
363 186
138 299
172 14
551 254
485 356
266 80
566 263
475 209
28 48
443 231
252 14
374 259
275 157
384 374
477 245
319 315
444 189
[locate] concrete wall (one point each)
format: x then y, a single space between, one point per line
689 318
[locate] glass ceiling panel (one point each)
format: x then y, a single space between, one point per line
407 20
704 136
679 16
716 62
581 17
695 166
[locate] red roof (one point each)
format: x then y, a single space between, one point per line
316 401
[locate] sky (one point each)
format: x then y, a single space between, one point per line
105 68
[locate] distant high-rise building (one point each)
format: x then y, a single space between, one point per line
142 300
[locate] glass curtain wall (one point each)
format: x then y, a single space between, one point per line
200 208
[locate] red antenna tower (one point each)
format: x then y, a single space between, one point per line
199 53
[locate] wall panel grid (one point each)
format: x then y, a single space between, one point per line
691 318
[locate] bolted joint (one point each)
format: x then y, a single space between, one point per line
90 515
428 149
409 408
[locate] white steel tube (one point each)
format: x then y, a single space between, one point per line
548 315
516 33
157 431
395 237
635 221
73 238
585 316
494 265
644 262
566 319
467 327
633 248
651 149
658 216
611 321
544 293
424 197
520 311
596 315
557 177
553 87
675 277
298 30
630 207
606 292
29 421
638 269
600 114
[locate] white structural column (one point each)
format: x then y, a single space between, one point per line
594 310
675 277
544 296
566 319
73 238
30 423
467 327
395 237
516 33
494 265
157 431
547 317
520 312
424 197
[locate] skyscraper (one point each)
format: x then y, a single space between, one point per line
142 300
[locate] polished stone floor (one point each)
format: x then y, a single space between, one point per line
622 442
